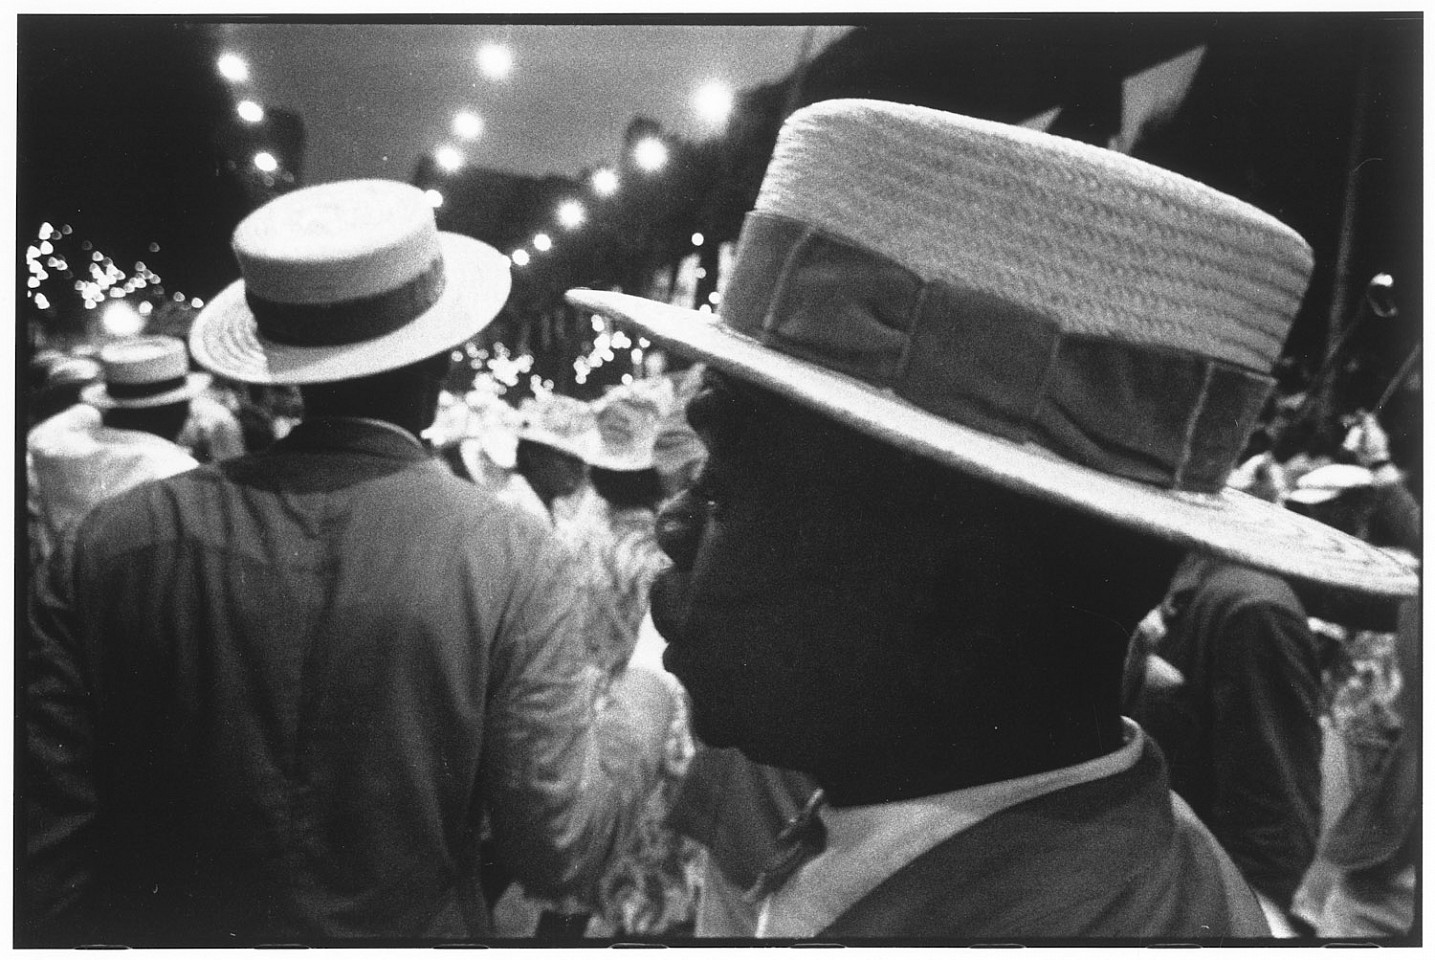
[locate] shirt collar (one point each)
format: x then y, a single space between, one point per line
867 844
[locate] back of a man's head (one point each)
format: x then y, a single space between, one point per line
165 421
407 396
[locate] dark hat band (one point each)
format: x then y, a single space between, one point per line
347 321
1162 416
137 391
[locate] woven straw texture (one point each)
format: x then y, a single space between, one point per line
1106 244
337 241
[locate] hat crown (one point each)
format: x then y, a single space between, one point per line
337 242
627 424
1105 244
143 360
559 415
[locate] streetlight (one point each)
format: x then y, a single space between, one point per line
232 67
714 102
495 60
697 239
265 161
250 112
434 198
448 158
121 320
519 257
542 242
650 154
605 182
571 214
467 125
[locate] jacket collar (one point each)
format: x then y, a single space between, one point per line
353 435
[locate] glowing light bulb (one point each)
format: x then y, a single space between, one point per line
249 111
467 125
495 60
571 214
650 154
265 161
232 67
448 158
121 320
605 183
714 102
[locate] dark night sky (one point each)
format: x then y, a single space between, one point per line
373 97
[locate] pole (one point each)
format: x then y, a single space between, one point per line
1397 380
1377 302
1340 293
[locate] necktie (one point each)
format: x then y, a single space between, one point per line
803 838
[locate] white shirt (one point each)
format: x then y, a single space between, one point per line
74 461
868 844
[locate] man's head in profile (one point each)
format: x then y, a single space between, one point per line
972 390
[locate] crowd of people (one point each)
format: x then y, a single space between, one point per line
962 585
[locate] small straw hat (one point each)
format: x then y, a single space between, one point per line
343 280
1324 484
1060 319
561 422
628 421
142 372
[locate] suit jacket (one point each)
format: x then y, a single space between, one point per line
273 699
1117 858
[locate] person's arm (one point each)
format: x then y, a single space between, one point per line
1266 743
60 875
562 778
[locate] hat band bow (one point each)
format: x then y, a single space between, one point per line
1161 416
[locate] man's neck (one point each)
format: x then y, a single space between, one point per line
385 423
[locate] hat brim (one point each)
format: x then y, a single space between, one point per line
1230 524
225 337
621 464
97 395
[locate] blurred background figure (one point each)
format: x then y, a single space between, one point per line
55 382
612 526
1289 714
212 431
1364 879
122 434
556 436
678 454
1232 695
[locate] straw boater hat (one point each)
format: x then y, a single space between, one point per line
344 280
1053 317
628 420
561 422
1324 484
143 372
